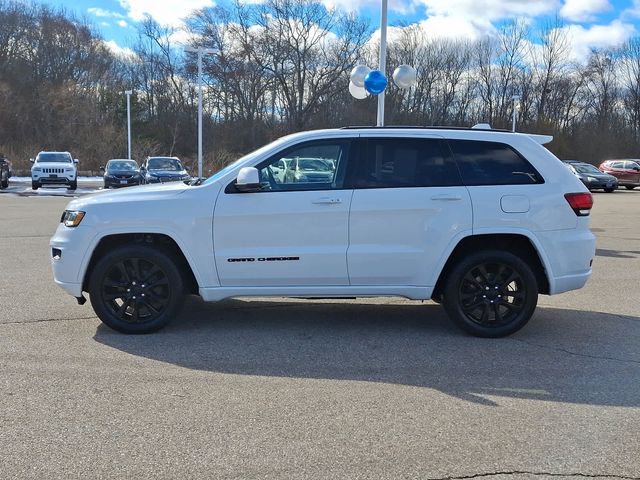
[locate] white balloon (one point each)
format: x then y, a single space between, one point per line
358 73
357 92
405 76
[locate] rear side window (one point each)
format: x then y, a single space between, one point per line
492 163
405 162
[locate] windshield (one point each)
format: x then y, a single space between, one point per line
122 165
586 169
314 164
172 164
54 158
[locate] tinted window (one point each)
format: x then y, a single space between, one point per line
405 162
311 166
54 158
492 163
122 165
630 165
586 169
159 163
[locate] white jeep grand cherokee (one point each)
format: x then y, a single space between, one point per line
54 168
481 221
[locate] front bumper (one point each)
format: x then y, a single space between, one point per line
67 250
121 182
601 184
53 180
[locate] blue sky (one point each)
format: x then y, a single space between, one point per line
590 23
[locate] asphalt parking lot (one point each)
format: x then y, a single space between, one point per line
284 389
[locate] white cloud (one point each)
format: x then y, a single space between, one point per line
122 23
118 50
488 10
583 10
583 40
165 13
100 12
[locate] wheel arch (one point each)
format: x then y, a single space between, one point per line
517 243
157 240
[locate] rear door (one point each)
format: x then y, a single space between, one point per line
408 205
632 170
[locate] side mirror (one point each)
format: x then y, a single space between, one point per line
75 160
101 168
32 160
248 180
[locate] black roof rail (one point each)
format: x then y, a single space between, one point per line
423 127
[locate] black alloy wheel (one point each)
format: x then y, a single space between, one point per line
136 289
491 293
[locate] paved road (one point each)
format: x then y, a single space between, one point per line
272 389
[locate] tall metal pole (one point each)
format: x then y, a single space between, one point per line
383 58
515 98
128 93
199 113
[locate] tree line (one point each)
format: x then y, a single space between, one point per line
283 66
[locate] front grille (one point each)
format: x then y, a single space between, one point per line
124 177
53 170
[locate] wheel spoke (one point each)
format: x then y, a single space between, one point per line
123 271
150 307
122 311
496 311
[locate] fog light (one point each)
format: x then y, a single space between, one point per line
56 253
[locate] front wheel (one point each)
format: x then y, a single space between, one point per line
491 293
73 185
35 185
136 289
609 190
4 180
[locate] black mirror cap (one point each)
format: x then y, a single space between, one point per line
248 187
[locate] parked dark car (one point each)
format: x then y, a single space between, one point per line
592 178
626 171
121 173
5 171
164 169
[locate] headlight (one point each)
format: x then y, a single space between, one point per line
591 179
36 169
72 218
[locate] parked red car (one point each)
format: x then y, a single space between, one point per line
627 171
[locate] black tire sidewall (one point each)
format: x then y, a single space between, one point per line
158 256
452 300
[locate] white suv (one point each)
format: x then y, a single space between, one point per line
481 221
54 168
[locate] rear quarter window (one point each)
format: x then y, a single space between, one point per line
492 163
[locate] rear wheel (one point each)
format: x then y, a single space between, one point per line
491 293
136 289
629 187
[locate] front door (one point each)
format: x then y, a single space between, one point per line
294 231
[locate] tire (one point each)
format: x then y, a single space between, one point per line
629 187
609 190
4 179
479 300
73 185
123 277
35 185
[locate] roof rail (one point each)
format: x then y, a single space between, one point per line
422 127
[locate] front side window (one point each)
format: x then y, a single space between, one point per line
405 162
312 166
492 163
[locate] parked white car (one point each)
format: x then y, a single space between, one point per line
481 221
54 168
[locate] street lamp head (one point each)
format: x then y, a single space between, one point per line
128 92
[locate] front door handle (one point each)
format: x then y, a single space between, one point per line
326 201
446 197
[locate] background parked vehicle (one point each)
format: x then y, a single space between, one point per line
121 172
592 178
626 171
163 169
54 168
5 171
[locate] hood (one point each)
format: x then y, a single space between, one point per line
53 165
132 194
167 173
595 175
122 172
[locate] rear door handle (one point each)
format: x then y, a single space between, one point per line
326 201
446 197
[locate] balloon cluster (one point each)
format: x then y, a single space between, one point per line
365 81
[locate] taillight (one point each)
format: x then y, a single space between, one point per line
581 203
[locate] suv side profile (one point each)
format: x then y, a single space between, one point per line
480 221
626 171
54 168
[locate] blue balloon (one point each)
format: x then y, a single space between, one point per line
375 82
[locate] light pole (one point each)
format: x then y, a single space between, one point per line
128 94
200 51
515 99
383 58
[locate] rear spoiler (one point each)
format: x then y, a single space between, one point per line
541 139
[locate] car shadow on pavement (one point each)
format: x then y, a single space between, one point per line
561 356
601 252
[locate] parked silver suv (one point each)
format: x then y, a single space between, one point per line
54 168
